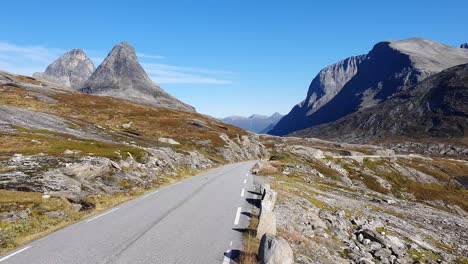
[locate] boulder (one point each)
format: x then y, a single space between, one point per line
275 250
76 207
56 214
168 141
127 125
15 216
266 224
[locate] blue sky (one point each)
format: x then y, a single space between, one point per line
223 57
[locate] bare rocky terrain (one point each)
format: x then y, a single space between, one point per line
350 203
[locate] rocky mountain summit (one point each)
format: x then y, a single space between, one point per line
71 70
434 108
254 123
367 80
120 75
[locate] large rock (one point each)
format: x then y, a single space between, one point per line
365 81
266 224
120 75
71 70
464 46
275 250
268 201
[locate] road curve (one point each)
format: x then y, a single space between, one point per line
193 221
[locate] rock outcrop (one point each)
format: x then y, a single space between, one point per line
245 147
365 81
71 70
464 46
120 75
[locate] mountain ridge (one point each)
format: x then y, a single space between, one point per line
254 123
433 108
390 67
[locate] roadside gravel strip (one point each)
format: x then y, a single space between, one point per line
198 220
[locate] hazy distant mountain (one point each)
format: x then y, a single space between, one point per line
71 70
254 123
435 107
364 81
121 76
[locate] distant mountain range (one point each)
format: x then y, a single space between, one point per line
364 82
120 75
254 123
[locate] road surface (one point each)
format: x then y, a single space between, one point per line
194 221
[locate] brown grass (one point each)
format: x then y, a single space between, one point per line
149 123
251 243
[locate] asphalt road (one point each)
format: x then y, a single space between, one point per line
193 221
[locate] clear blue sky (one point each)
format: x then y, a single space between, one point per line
230 57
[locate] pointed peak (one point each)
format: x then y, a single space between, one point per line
122 49
76 51
124 45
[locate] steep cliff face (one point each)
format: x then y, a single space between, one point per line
389 68
120 75
71 70
323 88
436 107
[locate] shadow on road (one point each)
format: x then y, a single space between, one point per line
233 254
254 202
255 193
248 214
247 231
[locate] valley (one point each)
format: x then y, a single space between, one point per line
100 164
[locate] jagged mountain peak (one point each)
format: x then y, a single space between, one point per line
71 70
120 75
